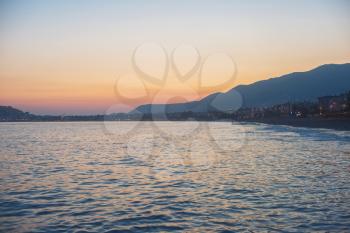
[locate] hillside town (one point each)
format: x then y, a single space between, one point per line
327 106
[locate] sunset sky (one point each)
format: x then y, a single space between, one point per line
65 57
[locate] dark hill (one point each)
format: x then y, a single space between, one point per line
324 80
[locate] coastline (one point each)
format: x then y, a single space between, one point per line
342 124
335 123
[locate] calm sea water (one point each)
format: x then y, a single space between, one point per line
172 176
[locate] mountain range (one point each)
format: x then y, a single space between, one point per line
329 79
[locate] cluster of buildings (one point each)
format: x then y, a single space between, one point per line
330 105
327 106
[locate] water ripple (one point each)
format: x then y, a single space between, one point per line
72 177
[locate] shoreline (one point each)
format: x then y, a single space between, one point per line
341 124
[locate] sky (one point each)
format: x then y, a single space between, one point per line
85 57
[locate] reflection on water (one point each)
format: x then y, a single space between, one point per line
76 176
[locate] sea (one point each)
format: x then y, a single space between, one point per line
173 177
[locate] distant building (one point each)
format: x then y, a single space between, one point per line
334 104
285 109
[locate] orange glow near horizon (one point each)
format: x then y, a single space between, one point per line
65 58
